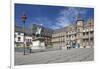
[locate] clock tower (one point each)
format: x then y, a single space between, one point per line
79 29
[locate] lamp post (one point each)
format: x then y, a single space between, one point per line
24 17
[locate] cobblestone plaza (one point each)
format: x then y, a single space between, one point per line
57 56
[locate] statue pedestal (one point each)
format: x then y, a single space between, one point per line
38 43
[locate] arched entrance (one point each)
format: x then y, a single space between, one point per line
74 44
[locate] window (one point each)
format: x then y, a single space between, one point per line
19 38
69 36
83 40
18 33
89 24
91 32
15 35
78 30
83 34
91 39
87 40
75 35
28 40
86 33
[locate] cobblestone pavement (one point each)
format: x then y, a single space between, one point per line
58 56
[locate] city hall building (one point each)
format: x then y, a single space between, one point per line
79 35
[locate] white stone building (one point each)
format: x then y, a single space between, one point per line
79 35
19 37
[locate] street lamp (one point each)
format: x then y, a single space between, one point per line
24 17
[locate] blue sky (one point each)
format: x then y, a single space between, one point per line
53 17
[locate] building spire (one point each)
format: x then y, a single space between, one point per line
79 16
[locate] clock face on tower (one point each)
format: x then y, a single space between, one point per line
80 23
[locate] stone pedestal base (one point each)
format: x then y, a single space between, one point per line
38 44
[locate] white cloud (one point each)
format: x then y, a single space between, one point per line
65 17
46 22
69 15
